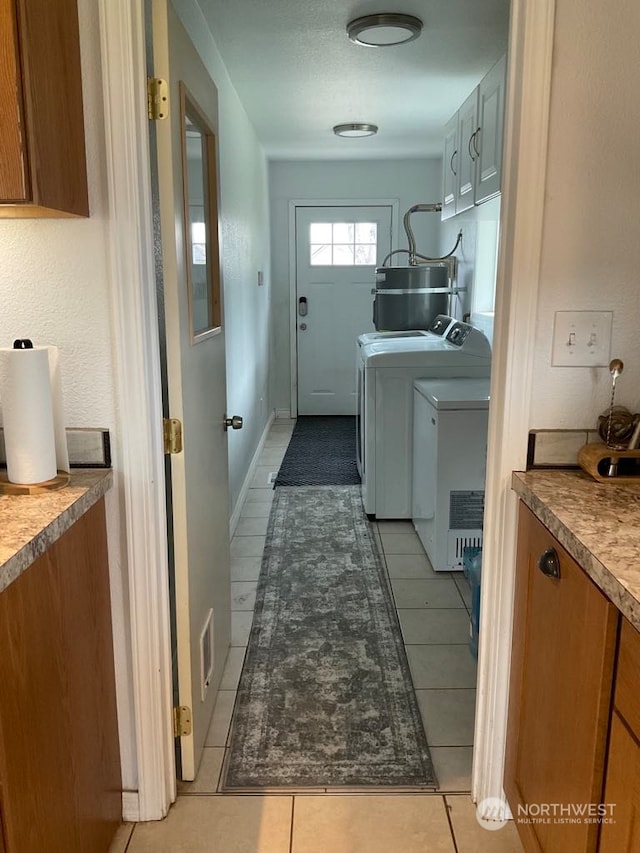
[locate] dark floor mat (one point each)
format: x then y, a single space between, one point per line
322 452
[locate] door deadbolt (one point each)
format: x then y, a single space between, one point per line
303 327
235 422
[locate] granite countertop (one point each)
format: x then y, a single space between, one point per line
29 524
597 523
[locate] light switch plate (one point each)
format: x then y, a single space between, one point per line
582 338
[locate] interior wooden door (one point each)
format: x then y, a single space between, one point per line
196 374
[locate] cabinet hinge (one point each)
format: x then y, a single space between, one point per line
172 429
181 721
157 98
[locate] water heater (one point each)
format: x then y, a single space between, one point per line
410 297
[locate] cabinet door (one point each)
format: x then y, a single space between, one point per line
450 160
13 178
560 694
623 790
60 779
43 170
467 156
488 139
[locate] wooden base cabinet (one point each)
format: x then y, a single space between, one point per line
622 791
60 783
560 694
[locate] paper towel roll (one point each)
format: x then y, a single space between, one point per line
31 401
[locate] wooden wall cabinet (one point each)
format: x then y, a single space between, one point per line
563 656
42 155
60 781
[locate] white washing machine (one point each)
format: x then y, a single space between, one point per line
449 466
386 373
439 326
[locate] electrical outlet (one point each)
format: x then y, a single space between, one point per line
582 338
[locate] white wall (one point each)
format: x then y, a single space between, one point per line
245 249
54 288
591 240
409 181
476 256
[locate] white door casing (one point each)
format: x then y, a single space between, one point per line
196 378
338 302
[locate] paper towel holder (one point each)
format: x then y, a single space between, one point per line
58 482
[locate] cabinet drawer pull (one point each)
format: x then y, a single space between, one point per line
549 563
473 159
475 140
451 162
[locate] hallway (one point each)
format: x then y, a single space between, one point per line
355 822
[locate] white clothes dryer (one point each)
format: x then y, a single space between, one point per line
386 373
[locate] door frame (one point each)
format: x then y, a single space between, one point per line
294 204
138 446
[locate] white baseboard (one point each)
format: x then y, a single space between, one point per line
130 806
235 515
283 414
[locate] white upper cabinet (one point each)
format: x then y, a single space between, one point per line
450 166
467 132
472 155
490 132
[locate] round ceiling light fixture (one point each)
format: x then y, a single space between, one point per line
384 29
355 130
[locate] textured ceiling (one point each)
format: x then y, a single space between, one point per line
298 74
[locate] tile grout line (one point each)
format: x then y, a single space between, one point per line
293 809
447 810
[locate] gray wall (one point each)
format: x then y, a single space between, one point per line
245 249
409 181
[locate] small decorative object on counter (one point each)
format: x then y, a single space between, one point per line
616 459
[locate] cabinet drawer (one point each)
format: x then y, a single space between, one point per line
627 698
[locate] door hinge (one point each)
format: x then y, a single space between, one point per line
157 98
172 429
181 721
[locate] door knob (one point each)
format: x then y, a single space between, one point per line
235 422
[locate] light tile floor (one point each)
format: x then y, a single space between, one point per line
434 615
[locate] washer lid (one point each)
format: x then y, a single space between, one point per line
446 394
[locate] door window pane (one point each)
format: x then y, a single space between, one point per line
343 232
320 232
342 255
321 255
365 255
366 232
343 244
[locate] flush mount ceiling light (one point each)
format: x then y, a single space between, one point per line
384 29
353 131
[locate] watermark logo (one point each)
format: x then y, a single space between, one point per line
565 813
490 814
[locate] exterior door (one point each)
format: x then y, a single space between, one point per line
337 251
196 385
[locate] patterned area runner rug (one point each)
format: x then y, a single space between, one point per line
325 697
322 452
